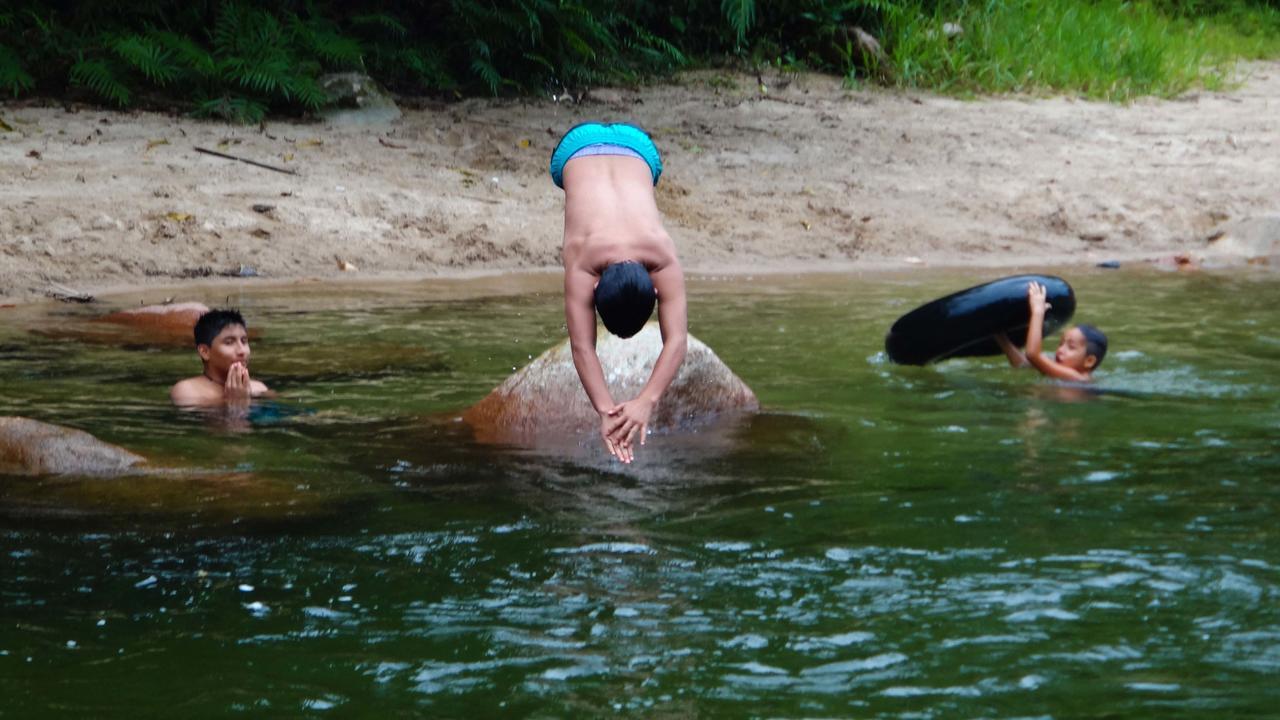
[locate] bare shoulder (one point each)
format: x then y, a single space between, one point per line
194 391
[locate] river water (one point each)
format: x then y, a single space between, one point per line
960 540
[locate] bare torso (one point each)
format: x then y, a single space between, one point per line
610 215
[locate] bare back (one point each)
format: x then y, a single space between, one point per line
610 215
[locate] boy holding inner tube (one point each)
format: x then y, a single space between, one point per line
618 261
1079 353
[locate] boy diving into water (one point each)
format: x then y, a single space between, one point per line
1079 353
618 261
222 341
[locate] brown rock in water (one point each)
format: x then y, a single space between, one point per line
169 325
31 447
545 402
172 319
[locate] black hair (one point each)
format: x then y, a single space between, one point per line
214 322
1095 343
625 298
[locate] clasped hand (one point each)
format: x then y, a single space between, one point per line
619 425
238 388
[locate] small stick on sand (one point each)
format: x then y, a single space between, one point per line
286 171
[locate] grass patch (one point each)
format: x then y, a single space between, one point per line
1105 49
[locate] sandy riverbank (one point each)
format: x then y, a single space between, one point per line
810 176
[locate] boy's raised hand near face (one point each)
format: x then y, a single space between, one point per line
238 388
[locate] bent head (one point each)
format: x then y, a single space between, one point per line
1083 347
222 339
625 298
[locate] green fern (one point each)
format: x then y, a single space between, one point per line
13 78
306 91
98 76
185 52
740 14
326 43
267 75
385 22
657 49
483 67
427 66
154 61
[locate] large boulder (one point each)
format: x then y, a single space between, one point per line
545 403
31 447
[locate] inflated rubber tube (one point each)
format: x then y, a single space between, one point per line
962 324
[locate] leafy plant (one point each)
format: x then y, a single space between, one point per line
242 59
100 77
13 77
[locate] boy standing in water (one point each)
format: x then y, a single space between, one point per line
618 261
1080 353
222 341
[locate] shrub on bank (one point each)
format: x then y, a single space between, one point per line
241 60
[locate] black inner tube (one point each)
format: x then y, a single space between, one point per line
962 324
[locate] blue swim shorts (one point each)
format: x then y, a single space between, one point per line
621 135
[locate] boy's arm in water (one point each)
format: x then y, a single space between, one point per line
1016 358
1046 365
580 319
632 416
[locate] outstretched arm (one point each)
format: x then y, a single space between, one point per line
1016 358
580 318
1035 332
633 416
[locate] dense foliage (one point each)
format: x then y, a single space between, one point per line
240 60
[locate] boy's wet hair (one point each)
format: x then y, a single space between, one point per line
625 298
214 322
1095 343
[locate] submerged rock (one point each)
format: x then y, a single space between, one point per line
174 318
31 447
171 325
544 402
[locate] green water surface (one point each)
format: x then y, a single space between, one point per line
960 540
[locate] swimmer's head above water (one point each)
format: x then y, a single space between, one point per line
625 297
1083 347
222 342
212 323
1079 353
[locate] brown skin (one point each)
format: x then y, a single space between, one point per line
225 379
610 216
1072 361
